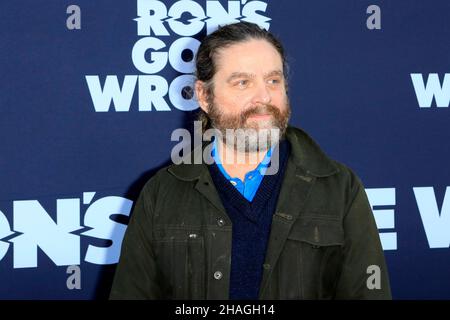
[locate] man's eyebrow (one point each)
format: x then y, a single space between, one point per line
236 75
274 73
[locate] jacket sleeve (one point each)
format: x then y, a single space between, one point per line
136 275
364 272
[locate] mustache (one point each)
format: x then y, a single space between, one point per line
260 110
221 120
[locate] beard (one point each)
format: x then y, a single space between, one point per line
248 135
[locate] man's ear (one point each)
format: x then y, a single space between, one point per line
202 95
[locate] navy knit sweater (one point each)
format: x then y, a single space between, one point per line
251 226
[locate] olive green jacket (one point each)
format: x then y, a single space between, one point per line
323 243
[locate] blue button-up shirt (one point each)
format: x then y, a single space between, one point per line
252 180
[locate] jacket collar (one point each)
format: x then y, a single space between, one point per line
305 152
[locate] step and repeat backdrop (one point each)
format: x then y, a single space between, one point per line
91 91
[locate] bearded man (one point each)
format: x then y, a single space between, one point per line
294 224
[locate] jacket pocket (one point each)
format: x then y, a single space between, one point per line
312 257
180 254
318 231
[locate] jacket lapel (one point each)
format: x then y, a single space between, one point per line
206 187
293 195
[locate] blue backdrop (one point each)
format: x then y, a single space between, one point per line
92 90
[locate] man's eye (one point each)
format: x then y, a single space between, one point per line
274 81
242 83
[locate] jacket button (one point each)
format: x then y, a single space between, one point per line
266 266
220 222
217 275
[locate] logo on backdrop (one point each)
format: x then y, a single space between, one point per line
157 26
432 88
436 223
33 228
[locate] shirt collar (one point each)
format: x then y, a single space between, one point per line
261 168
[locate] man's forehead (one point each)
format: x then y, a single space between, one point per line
248 53
248 45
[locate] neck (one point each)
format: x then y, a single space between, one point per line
237 163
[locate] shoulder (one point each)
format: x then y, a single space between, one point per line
308 154
172 180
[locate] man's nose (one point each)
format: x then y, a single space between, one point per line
261 94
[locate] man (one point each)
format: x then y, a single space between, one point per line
231 229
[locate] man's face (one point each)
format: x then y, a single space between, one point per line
249 90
